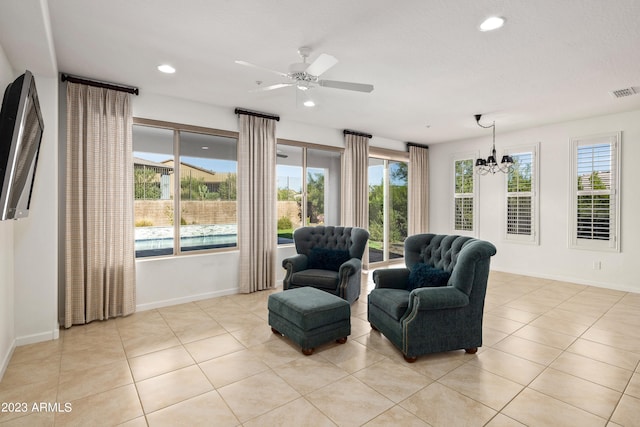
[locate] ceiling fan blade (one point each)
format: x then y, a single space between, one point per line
272 87
321 64
248 64
358 87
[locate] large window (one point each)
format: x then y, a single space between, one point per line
595 213
521 195
387 208
308 181
465 188
204 216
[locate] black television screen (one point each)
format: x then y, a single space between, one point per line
21 129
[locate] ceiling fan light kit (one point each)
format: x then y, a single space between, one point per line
305 76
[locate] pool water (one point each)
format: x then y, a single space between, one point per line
156 241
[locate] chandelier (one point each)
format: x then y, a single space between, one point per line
489 165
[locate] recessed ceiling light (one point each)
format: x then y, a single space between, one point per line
204 147
309 103
166 68
492 23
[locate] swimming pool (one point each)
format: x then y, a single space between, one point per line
155 241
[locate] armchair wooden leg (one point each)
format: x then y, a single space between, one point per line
410 359
341 340
472 350
275 331
307 351
373 327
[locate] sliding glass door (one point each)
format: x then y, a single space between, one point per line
308 188
397 208
387 209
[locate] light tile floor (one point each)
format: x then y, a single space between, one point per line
554 354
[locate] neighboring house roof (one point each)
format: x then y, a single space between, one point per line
208 175
149 163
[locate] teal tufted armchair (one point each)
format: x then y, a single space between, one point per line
433 319
328 258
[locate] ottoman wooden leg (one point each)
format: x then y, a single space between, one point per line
307 351
275 331
341 340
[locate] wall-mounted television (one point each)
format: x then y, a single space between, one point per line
21 128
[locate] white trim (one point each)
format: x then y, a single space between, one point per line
39 337
624 287
187 299
533 239
476 191
6 359
613 244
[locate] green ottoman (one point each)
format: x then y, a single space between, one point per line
309 317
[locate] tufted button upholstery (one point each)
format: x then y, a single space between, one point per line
438 250
330 237
433 319
346 281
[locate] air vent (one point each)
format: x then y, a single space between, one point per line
621 93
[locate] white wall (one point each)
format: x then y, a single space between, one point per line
36 237
172 280
552 258
7 329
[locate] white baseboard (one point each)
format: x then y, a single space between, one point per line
186 299
35 338
6 359
569 279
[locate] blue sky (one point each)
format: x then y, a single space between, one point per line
293 173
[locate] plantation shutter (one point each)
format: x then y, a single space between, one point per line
595 185
521 200
464 195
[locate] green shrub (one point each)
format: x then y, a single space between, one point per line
284 223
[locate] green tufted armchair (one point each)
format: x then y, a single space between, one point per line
433 319
328 258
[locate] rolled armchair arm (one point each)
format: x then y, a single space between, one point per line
350 267
437 298
395 278
292 265
295 263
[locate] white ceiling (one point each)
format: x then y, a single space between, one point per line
554 60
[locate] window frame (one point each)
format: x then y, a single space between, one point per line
387 156
613 243
177 128
470 156
534 237
306 146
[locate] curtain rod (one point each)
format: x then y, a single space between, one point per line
105 85
257 114
413 144
353 132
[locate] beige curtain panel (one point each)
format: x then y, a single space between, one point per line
355 185
257 231
418 190
99 235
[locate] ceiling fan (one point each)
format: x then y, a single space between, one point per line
305 76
